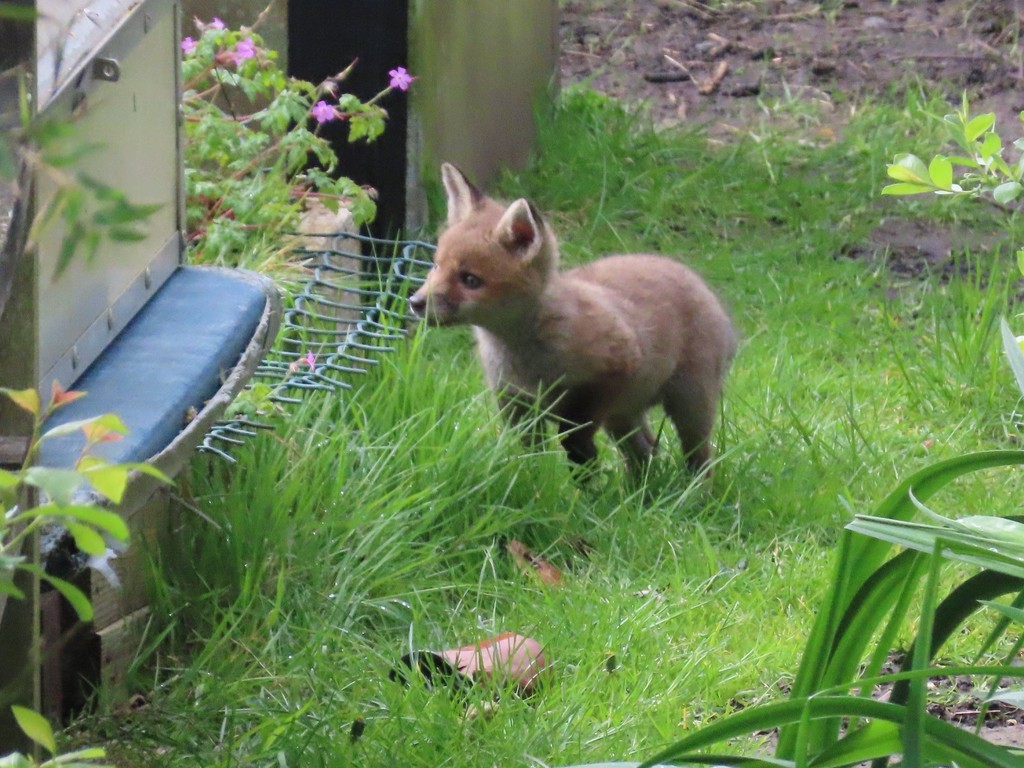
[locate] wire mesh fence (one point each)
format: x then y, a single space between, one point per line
348 312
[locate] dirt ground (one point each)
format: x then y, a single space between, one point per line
713 63
719 64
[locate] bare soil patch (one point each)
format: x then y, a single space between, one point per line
727 66
712 63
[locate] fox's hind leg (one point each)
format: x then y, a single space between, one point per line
634 438
691 405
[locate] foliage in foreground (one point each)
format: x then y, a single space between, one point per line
871 600
37 497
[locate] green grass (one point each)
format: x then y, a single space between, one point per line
374 522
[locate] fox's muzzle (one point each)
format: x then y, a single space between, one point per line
430 309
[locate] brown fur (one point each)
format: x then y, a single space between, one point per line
602 343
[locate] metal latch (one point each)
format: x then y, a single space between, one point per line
106 69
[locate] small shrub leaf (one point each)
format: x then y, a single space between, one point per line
1007 192
967 162
146 469
59 484
78 600
909 168
86 539
940 170
979 125
26 399
990 146
36 727
7 588
110 480
102 519
906 188
8 479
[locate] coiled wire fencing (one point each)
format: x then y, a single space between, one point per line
348 312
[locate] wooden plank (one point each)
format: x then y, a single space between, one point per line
52 631
13 449
146 527
119 644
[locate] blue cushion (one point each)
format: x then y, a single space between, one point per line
171 358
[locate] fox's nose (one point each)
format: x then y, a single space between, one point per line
418 303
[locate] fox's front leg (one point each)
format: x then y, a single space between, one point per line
576 410
578 442
635 439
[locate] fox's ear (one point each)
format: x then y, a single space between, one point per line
520 227
462 196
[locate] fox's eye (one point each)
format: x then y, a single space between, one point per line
469 280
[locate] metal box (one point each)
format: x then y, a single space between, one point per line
111 68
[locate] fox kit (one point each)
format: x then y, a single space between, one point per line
600 344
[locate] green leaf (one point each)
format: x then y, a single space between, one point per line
99 518
86 539
68 245
89 753
967 162
36 727
1009 611
870 741
957 545
1006 531
125 213
946 743
127 234
7 588
72 759
110 480
59 484
979 125
8 479
147 469
26 399
71 593
940 171
1007 192
906 188
909 168
1013 352
990 146
107 422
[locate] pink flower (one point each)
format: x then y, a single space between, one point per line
323 112
188 45
215 24
309 359
400 79
244 50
